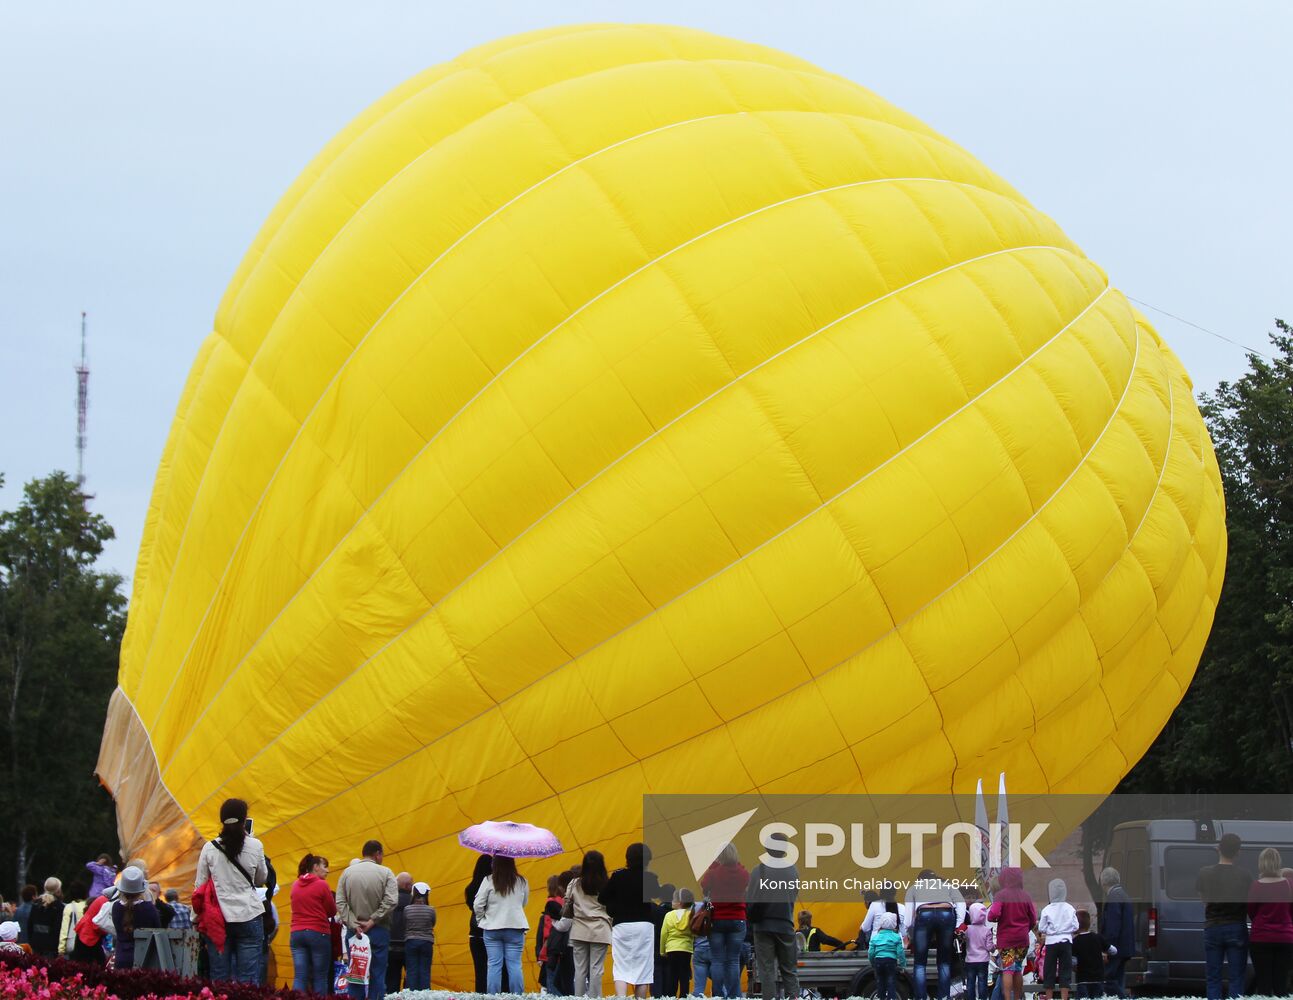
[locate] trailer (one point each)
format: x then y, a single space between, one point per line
836 974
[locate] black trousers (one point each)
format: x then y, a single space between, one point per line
90 955
677 973
1058 965
479 961
395 968
1271 961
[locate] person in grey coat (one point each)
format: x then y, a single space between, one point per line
770 907
1118 928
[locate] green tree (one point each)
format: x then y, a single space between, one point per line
1233 731
61 623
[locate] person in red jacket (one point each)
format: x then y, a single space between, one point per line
1270 942
313 907
724 884
1015 916
88 946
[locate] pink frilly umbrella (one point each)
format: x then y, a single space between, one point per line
511 840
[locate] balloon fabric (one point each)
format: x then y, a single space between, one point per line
626 409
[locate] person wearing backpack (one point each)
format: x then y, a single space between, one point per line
235 864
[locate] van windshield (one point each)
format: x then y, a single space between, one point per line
1182 866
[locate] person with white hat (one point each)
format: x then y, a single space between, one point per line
9 939
132 910
419 938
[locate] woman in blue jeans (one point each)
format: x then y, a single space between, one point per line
725 883
725 943
235 863
937 910
700 960
313 907
500 911
419 937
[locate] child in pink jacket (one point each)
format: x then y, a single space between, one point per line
978 944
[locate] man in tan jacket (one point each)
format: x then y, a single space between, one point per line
366 899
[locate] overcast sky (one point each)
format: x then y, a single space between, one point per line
142 147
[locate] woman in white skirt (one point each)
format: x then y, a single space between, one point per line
590 931
627 897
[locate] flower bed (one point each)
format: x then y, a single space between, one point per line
31 976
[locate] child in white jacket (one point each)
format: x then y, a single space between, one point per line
1057 925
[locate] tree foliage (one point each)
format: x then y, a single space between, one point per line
61 622
1233 731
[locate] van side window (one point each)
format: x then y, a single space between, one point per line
1181 869
1135 867
1182 864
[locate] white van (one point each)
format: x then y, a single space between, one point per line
1159 861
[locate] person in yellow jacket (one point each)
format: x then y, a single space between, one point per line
72 912
676 942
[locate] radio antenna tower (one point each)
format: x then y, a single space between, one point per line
82 406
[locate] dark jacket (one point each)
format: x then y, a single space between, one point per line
144 915
397 918
23 916
473 887
1118 922
627 895
43 927
1088 953
771 910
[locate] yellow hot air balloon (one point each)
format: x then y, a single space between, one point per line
624 409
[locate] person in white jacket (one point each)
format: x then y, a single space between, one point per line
235 863
1057 925
500 911
887 903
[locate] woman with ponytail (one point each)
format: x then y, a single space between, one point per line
313 907
235 864
132 910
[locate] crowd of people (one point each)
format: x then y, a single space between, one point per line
681 944
375 932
